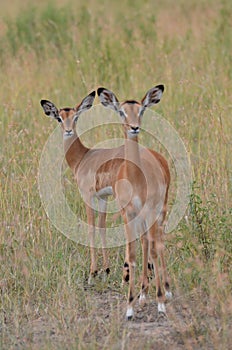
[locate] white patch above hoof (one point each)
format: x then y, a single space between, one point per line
168 295
91 281
105 276
129 313
161 308
142 299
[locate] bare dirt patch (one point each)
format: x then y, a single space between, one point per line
101 324
148 329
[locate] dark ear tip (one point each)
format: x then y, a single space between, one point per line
42 102
99 90
93 93
161 87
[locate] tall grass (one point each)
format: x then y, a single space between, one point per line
61 51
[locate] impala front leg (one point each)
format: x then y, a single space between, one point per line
91 228
131 256
102 205
144 286
131 247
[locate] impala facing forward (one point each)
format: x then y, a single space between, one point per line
141 189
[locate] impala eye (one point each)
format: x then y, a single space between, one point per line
59 120
141 111
88 106
122 114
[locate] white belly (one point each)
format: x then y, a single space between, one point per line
106 191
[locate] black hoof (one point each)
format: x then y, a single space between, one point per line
129 318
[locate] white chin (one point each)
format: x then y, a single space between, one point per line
132 135
67 136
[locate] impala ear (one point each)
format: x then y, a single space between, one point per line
152 97
49 109
86 103
108 99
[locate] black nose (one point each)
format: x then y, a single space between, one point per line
68 131
135 128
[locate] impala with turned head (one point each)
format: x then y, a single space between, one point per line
84 163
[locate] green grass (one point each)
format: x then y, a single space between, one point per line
60 51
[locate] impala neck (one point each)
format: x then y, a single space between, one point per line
132 155
74 151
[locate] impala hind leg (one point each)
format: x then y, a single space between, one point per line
102 205
150 268
91 228
165 277
126 272
154 245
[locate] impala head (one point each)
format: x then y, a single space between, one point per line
67 117
131 111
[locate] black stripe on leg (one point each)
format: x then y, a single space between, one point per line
167 285
159 293
126 276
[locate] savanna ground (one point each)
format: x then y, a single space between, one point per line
61 51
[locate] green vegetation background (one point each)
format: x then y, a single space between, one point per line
62 50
